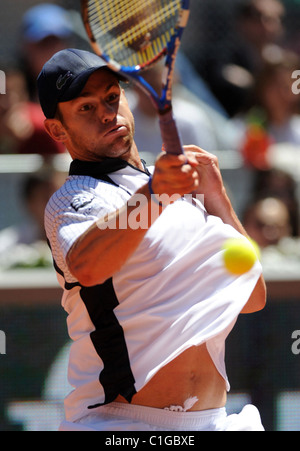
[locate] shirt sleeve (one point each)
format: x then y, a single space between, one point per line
70 213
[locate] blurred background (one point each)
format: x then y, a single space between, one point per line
237 95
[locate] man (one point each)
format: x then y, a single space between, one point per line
149 301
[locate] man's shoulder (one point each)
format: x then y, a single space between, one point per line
75 187
79 192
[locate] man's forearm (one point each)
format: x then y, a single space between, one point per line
221 206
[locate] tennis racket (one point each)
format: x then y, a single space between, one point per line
133 35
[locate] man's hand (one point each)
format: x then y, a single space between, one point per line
195 172
210 179
175 174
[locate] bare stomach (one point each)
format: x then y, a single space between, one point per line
192 374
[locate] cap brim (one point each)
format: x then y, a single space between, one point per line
78 84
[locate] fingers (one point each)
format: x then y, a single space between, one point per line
196 171
175 174
201 156
167 160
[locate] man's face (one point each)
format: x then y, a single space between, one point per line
98 123
265 25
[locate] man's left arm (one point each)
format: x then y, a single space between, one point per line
217 203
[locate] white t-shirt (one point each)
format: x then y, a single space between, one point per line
171 294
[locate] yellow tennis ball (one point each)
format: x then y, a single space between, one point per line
240 255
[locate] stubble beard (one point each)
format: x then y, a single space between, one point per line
97 151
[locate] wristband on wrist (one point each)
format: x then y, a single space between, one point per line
153 196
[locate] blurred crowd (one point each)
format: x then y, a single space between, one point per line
239 99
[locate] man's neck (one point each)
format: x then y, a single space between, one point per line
131 156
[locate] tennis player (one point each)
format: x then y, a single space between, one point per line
149 302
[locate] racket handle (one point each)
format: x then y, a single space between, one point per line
169 133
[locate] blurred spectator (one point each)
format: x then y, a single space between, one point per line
281 185
21 121
272 219
260 23
192 88
231 71
192 80
25 245
267 221
45 30
275 116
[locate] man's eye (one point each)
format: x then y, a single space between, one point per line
86 108
113 97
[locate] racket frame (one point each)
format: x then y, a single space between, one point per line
163 102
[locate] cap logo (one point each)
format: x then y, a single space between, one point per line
62 80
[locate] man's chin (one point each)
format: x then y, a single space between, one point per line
122 151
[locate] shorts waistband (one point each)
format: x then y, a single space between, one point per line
163 418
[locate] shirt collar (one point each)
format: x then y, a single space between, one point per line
97 170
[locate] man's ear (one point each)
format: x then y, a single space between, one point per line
55 129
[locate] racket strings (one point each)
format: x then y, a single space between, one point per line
141 29
133 32
113 16
110 18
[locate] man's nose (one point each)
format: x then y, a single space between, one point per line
107 113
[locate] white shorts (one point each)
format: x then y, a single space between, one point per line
127 417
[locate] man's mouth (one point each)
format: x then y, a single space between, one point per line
118 130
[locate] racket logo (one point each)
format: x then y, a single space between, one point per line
62 80
2 82
147 42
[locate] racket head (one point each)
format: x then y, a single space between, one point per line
132 35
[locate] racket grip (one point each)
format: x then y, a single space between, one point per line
169 133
